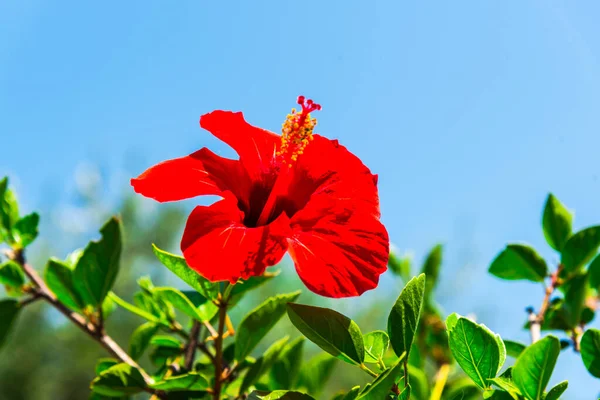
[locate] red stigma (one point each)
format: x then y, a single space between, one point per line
308 106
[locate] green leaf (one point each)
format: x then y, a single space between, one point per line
556 223
9 209
590 351
400 265
162 354
179 267
136 310
262 365
205 307
9 309
431 268
258 322
381 386
284 373
59 278
508 385
501 350
105 363
476 350
182 303
514 349
557 391
533 368
451 321
98 266
376 344
140 339
594 272
404 317
118 380
166 341
331 331
279 395
315 373
166 348
575 292
580 249
12 275
405 393
187 382
26 229
519 261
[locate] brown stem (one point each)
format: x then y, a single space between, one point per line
218 363
190 351
97 334
35 296
576 338
536 320
201 346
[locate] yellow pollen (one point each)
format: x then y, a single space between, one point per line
297 131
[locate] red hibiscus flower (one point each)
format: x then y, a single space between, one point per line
297 192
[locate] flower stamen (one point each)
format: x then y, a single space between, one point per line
297 130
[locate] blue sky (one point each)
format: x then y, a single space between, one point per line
470 112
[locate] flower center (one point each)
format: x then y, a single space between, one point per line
297 131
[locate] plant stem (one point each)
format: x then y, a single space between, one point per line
190 351
368 371
42 291
405 371
201 346
440 383
218 361
536 320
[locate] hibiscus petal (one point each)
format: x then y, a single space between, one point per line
339 252
218 246
328 170
200 173
255 146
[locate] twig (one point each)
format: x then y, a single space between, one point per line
35 296
576 338
42 291
536 320
535 326
368 370
190 351
211 330
201 346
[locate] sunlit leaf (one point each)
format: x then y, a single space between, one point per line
404 317
590 351
259 322
376 344
534 366
519 261
118 380
98 266
476 349
179 267
331 331
140 339
556 223
580 249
